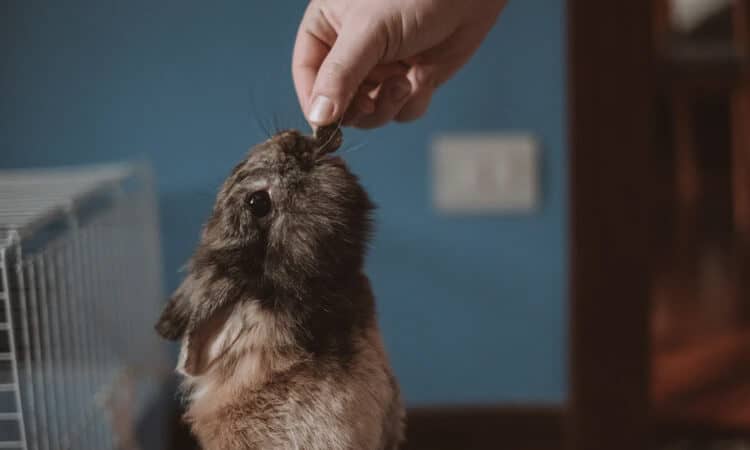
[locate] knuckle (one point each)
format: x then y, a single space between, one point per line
425 78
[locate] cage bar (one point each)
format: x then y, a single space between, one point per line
80 289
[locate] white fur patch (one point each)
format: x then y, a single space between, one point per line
249 332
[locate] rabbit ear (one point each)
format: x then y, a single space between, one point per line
176 315
209 340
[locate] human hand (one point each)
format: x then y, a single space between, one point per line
376 61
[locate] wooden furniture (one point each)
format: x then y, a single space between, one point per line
700 302
660 196
611 104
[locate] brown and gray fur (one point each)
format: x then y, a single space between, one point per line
280 343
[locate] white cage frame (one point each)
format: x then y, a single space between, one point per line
80 287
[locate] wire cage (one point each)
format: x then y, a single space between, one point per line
80 288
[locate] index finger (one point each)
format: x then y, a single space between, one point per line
308 55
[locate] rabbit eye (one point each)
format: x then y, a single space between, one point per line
260 203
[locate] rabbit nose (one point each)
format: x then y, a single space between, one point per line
292 142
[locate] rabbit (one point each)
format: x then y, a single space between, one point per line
280 347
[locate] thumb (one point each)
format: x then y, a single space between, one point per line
353 55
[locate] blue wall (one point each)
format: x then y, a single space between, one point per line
472 308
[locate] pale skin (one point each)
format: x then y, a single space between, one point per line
367 63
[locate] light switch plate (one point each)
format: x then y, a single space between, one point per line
479 174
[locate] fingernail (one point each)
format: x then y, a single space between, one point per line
321 112
400 90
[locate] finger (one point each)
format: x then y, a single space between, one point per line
420 98
354 54
382 72
391 98
416 107
351 117
435 66
313 42
363 103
